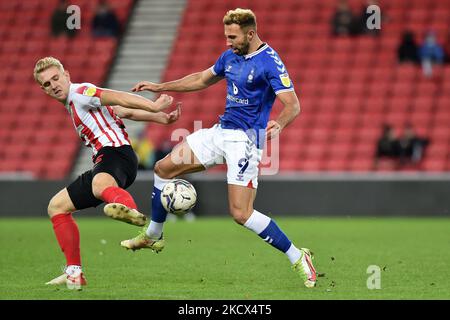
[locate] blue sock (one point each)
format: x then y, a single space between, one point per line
268 230
159 214
273 235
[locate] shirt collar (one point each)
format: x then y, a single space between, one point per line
264 47
71 88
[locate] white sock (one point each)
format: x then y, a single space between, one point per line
154 230
159 182
73 270
293 254
257 222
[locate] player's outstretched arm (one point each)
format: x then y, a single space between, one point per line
288 114
133 101
193 82
141 115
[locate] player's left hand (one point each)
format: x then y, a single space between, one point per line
174 115
273 129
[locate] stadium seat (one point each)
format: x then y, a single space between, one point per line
348 86
29 129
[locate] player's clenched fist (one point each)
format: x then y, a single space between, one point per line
146 85
164 101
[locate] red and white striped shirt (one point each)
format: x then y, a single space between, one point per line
98 126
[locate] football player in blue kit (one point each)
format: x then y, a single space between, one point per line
255 76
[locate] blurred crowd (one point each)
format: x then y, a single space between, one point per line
407 149
345 23
426 53
104 23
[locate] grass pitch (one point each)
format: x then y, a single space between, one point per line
214 258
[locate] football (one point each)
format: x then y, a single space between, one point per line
178 197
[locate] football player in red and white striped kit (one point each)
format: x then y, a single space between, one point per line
96 114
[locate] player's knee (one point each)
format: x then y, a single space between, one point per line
55 206
240 219
239 215
162 170
100 183
97 190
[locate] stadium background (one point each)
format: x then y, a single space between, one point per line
348 87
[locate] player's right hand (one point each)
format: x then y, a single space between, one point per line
273 129
164 101
146 85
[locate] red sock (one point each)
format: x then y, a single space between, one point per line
118 195
68 236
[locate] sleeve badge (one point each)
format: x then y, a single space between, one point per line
90 91
285 80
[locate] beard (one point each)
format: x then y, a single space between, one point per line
244 49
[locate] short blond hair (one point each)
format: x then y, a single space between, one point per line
44 64
243 17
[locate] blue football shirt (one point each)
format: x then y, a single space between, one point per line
253 81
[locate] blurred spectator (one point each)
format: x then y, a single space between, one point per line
343 22
411 147
447 48
387 145
145 152
59 21
105 22
430 53
408 50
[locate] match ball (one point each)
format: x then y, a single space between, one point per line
178 197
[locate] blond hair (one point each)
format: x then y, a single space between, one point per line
243 17
44 64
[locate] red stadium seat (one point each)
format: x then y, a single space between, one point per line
343 135
361 164
433 164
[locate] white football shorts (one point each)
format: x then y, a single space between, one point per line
218 146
